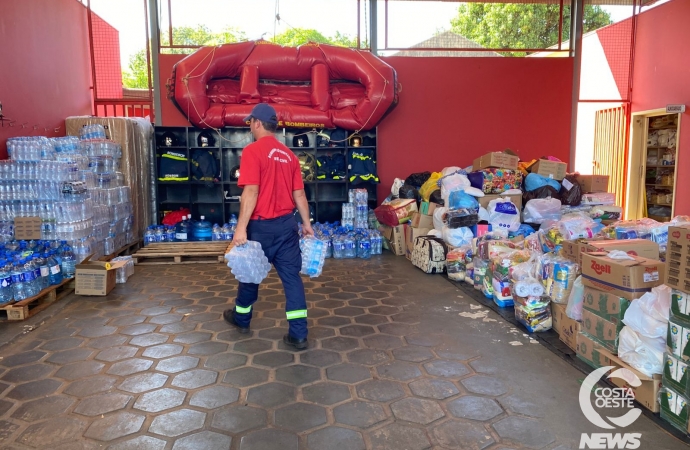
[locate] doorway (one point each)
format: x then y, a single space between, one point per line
652 162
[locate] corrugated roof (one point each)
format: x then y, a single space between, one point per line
446 39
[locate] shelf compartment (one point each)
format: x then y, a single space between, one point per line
207 194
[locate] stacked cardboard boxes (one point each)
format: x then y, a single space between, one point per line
420 225
611 285
675 394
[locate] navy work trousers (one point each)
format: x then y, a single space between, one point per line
279 239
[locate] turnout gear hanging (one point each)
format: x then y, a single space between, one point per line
173 166
307 164
331 167
362 166
204 166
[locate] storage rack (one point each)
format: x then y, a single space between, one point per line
218 200
660 178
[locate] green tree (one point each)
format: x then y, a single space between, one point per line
512 25
135 76
298 36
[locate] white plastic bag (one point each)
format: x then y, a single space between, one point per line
439 214
540 209
503 214
457 236
649 314
576 300
435 233
395 189
642 353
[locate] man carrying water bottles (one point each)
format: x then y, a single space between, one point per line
272 180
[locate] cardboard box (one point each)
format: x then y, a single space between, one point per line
676 373
420 220
411 234
593 183
395 237
591 351
625 278
96 277
567 328
647 393
603 331
428 208
496 159
678 338
679 240
605 304
515 198
549 169
27 228
573 250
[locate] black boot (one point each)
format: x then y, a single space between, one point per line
299 344
229 316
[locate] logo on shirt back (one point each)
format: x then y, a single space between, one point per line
278 157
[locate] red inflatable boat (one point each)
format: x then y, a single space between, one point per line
312 86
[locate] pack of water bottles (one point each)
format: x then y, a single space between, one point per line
29 267
227 231
126 271
30 148
343 243
94 131
313 255
248 263
357 209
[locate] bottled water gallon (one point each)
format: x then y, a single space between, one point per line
171 234
233 222
55 276
313 256
248 263
69 262
202 230
6 294
182 231
17 276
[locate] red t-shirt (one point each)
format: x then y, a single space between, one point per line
276 170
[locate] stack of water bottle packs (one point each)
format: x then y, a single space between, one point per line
73 185
248 263
27 268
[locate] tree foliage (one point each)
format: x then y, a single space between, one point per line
515 26
135 76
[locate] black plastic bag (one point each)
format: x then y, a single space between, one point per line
409 191
541 192
435 197
572 196
417 179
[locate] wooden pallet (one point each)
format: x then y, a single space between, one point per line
29 307
124 250
181 253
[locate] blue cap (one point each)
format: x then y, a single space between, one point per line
263 112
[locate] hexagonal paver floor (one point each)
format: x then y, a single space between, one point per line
390 365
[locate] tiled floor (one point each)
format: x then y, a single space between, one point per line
398 360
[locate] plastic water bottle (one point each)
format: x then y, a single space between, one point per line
338 248
364 247
228 232
216 233
202 230
182 231
55 276
233 223
160 235
170 234
149 236
313 256
350 247
30 280
69 262
18 287
6 294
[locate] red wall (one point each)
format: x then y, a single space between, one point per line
170 115
45 74
106 55
662 73
453 110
